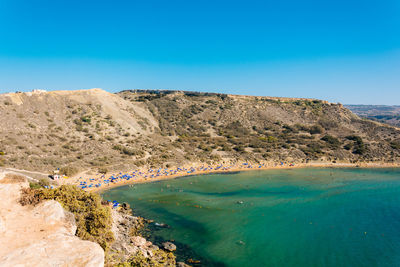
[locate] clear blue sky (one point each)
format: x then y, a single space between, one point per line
341 51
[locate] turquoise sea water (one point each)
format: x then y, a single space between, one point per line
296 217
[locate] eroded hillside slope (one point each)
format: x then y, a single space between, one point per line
104 131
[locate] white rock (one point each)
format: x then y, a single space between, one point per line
169 246
41 236
138 241
2 226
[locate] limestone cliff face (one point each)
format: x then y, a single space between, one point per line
40 236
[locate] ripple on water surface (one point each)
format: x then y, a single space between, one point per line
296 217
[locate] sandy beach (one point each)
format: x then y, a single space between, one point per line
102 182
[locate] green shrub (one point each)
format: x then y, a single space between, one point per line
128 151
34 185
92 218
327 123
289 129
86 119
118 147
69 170
284 145
44 182
239 148
359 146
355 138
360 150
394 145
109 138
226 147
160 258
103 170
78 122
316 129
235 129
40 184
348 146
331 140
66 146
311 149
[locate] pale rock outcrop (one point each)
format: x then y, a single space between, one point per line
128 245
169 246
182 264
40 236
138 241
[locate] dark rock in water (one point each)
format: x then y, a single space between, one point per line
126 205
169 246
128 242
192 261
186 253
126 208
182 264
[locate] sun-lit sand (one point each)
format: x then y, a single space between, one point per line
101 182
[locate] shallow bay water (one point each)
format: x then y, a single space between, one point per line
288 217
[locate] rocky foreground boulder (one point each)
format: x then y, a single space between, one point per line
131 248
169 246
43 235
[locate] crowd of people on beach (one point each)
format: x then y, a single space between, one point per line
153 174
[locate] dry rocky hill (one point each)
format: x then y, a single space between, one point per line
381 113
77 130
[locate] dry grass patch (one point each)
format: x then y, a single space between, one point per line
12 179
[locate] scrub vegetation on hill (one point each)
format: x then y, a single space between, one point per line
77 130
93 219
